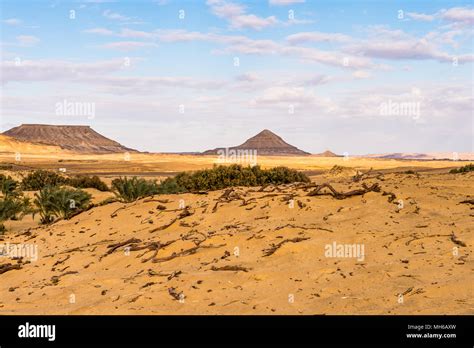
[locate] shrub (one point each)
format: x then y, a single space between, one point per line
8 186
170 186
13 208
216 178
129 190
221 177
467 168
53 201
83 181
39 179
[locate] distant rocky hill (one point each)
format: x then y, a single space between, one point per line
266 143
450 156
82 139
326 153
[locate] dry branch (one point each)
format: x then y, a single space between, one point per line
55 279
164 227
230 268
341 195
187 252
303 228
457 241
8 267
274 247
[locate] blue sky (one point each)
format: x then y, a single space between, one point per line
318 73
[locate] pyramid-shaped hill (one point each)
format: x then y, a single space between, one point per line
326 153
81 139
266 143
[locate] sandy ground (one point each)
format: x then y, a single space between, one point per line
255 250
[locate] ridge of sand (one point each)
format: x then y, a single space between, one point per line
12 145
245 251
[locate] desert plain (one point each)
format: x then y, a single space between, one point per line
250 250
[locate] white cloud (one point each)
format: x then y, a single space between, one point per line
458 14
129 45
384 43
285 2
55 70
114 16
252 21
413 49
361 74
237 17
99 1
316 36
98 74
99 31
420 16
12 21
275 95
248 77
27 40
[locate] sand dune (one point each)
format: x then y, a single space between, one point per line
13 146
247 251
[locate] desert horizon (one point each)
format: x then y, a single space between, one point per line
270 170
157 252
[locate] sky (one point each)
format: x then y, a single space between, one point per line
354 77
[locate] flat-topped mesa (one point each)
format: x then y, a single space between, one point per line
265 143
79 138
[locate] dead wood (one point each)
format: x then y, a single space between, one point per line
164 227
114 213
341 195
274 247
193 236
55 279
457 241
391 196
185 213
303 228
187 252
174 293
430 236
174 274
230 268
60 262
113 247
8 267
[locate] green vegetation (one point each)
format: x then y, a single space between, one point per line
129 190
83 181
41 178
53 201
13 205
467 168
12 208
221 177
8 186
217 178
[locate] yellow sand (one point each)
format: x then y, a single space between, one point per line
409 246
